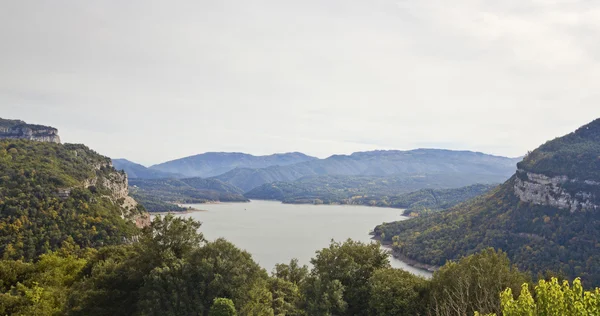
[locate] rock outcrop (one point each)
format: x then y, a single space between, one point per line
17 129
115 184
558 191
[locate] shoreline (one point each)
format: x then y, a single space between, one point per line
409 261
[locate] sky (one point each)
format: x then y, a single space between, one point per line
152 81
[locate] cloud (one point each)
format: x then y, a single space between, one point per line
155 80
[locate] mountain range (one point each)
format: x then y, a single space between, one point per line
216 163
546 216
135 170
474 167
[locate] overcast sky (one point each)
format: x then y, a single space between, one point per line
157 80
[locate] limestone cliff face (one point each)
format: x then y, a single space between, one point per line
559 191
16 129
115 183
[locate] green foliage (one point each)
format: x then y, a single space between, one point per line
34 219
552 298
536 238
397 191
158 195
344 268
473 283
152 203
222 307
576 155
398 292
40 288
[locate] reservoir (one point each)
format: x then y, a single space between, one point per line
275 233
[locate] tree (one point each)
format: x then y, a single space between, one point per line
397 292
552 298
351 264
473 283
222 307
124 280
171 236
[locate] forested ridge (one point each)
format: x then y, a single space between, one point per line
536 237
398 192
35 219
162 195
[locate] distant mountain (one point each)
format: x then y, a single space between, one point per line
160 195
546 216
216 163
17 129
474 167
135 170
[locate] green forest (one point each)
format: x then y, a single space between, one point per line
172 270
163 195
34 219
400 192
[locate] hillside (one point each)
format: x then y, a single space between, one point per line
213 163
135 170
17 129
398 191
470 166
161 195
545 217
52 193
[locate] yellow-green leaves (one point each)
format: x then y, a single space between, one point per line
552 298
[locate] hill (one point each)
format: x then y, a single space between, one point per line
396 191
473 167
135 170
17 129
52 193
161 195
546 216
216 163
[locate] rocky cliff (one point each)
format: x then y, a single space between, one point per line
546 217
558 191
17 129
115 186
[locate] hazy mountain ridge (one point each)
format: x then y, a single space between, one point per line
135 170
382 163
17 129
216 163
545 216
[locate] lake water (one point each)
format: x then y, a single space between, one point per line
275 233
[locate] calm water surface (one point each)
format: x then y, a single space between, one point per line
275 233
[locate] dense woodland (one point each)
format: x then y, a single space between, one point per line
395 192
162 195
34 219
173 270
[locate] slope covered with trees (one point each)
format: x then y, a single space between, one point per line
162 195
537 236
399 192
46 199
